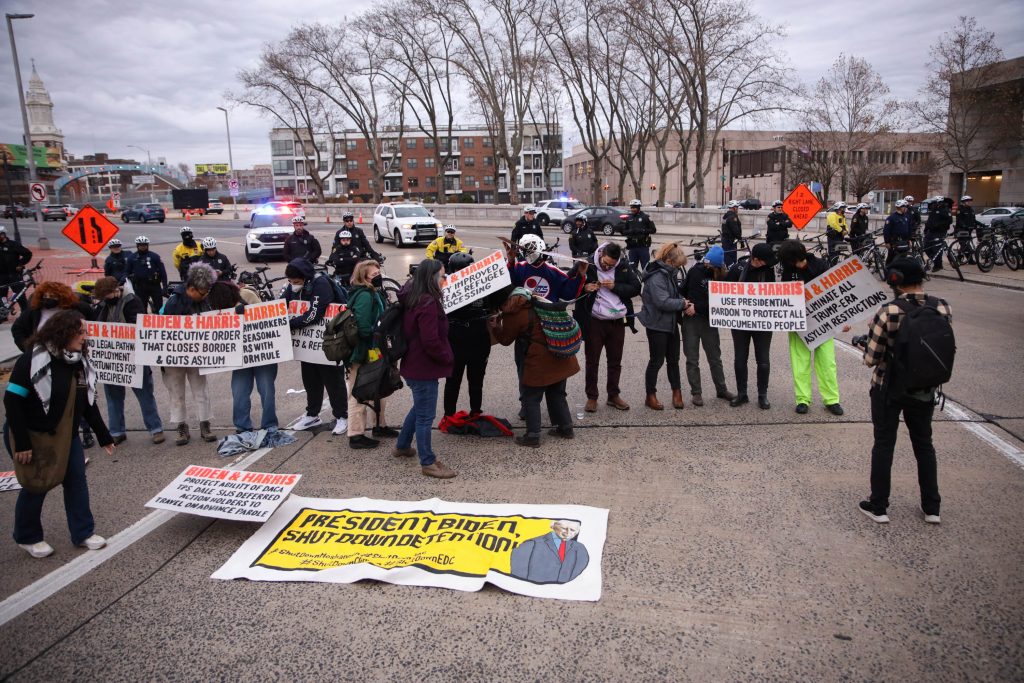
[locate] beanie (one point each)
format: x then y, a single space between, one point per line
715 256
763 252
911 270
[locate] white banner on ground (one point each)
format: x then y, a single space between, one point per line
308 342
225 494
475 281
757 306
544 551
9 481
266 337
112 354
844 295
189 341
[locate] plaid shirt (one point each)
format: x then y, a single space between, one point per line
884 327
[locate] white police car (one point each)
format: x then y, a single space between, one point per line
404 223
556 210
267 230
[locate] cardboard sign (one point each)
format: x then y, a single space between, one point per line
308 342
225 494
475 281
266 337
801 206
9 481
90 230
189 341
757 306
844 295
112 354
545 551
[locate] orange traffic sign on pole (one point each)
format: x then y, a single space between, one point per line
801 206
90 230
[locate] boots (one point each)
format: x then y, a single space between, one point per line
183 435
677 399
653 403
204 431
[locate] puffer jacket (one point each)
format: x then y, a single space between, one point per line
661 298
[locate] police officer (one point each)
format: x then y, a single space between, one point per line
216 260
732 231
186 253
344 256
442 248
859 227
13 259
935 229
965 223
836 231
116 263
913 217
582 241
147 274
301 243
471 345
778 224
638 230
357 236
897 231
527 225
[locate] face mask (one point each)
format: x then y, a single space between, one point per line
189 242
377 281
50 303
112 300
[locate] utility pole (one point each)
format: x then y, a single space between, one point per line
29 150
231 161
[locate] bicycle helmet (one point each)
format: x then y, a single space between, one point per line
532 246
299 220
449 228
937 198
458 261
344 235
733 203
580 219
185 229
141 239
901 203
348 216
777 202
838 206
209 243
3 229
635 203
967 198
112 243
862 205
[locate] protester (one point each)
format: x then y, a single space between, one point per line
896 232
344 256
190 298
697 330
732 231
115 306
777 224
906 276
603 315
798 265
51 389
935 230
836 230
663 305
186 253
13 259
301 243
428 358
216 260
758 268
444 246
544 374
470 340
47 299
638 230
357 236
306 285
147 274
965 223
582 241
116 263
527 225
366 299
859 228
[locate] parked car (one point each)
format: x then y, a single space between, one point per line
1014 220
267 231
404 223
144 213
556 210
750 204
684 205
606 220
215 207
988 215
18 211
54 212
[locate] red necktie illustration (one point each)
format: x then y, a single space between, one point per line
561 551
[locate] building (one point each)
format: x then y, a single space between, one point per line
260 176
41 127
471 174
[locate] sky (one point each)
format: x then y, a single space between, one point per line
153 73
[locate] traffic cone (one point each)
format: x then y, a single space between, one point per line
360 218
188 216
328 216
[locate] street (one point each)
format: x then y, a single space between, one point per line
735 549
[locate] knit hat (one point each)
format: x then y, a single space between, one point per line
764 253
715 256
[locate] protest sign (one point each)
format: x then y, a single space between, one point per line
112 354
9 481
845 294
475 281
308 342
757 306
429 543
266 337
225 494
189 341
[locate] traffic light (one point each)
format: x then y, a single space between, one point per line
606 186
653 186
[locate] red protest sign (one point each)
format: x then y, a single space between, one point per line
90 230
801 206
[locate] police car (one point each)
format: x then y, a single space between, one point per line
556 210
268 228
404 223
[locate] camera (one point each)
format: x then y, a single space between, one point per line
860 341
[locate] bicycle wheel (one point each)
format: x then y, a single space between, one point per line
956 253
955 263
1012 254
391 289
986 257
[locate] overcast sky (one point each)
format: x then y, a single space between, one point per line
152 73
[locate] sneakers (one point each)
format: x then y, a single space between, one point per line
739 400
877 517
802 408
438 470
158 437
88 440
931 519
183 434
404 452
340 426
306 422
94 542
385 432
120 439
618 403
835 409
562 433
362 442
41 549
591 406
205 433
528 441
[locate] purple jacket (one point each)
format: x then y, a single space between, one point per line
429 355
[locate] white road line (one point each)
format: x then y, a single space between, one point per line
31 595
965 419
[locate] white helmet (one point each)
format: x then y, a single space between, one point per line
909 199
185 229
635 203
299 220
901 203
532 246
733 203
141 239
3 229
777 202
209 243
938 198
967 198
449 228
344 235
114 243
862 205
838 206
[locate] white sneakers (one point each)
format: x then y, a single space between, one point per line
94 542
305 422
41 549
931 519
340 427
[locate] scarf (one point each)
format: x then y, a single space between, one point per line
41 377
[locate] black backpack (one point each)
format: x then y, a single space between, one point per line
921 356
340 295
389 336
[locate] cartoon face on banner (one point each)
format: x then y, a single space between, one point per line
538 285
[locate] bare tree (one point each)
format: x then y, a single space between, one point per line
863 177
966 99
544 119
813 161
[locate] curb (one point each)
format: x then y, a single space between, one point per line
1001 285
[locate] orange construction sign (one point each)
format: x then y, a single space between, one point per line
90 230
801 206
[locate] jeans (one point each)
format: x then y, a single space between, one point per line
639 257
824 367
174 380
885 416
664 350
558 407
316 378
762 355
28 526
420 419
263 376
697 332
357 410
609 335
932 243
729 248
471 347
147 402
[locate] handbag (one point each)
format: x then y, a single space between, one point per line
376 380
50 452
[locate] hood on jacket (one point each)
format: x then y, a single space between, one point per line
655 267
304 267
519 299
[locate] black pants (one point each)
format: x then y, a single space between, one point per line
664 349
932 243
471 347
150 293
729 247
316 378
966 248
762 356
885 416
558 407
519 354
833 244
639 257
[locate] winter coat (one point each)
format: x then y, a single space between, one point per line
358 239
428 354
303 246
220 263
145 268
116 266
815 267
582 241
897 228
638 230
939 219
184 256
525 227
695 288
732 227
661 297
540 368
13 256
965 219
317 290
778 225
367 306
627 286
124 309
180 303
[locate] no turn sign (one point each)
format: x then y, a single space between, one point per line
37 191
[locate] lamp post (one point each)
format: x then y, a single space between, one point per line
29 151
149 169
231 161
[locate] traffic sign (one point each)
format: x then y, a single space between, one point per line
233 185
116 196
801 206
90 230
38 192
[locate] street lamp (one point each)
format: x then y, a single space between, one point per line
29 151
231 161
149 169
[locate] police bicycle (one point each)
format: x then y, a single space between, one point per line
27 281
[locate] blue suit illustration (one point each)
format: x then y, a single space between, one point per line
555 557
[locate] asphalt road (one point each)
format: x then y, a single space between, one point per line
734 552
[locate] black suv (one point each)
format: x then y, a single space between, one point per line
750 204
606 220
143 213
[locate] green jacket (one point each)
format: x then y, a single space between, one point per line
367 305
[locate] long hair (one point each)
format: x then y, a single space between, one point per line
53 290
359 273
58 331
424 282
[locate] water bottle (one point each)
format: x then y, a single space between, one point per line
579 412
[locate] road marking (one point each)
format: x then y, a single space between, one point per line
963 417
33 594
